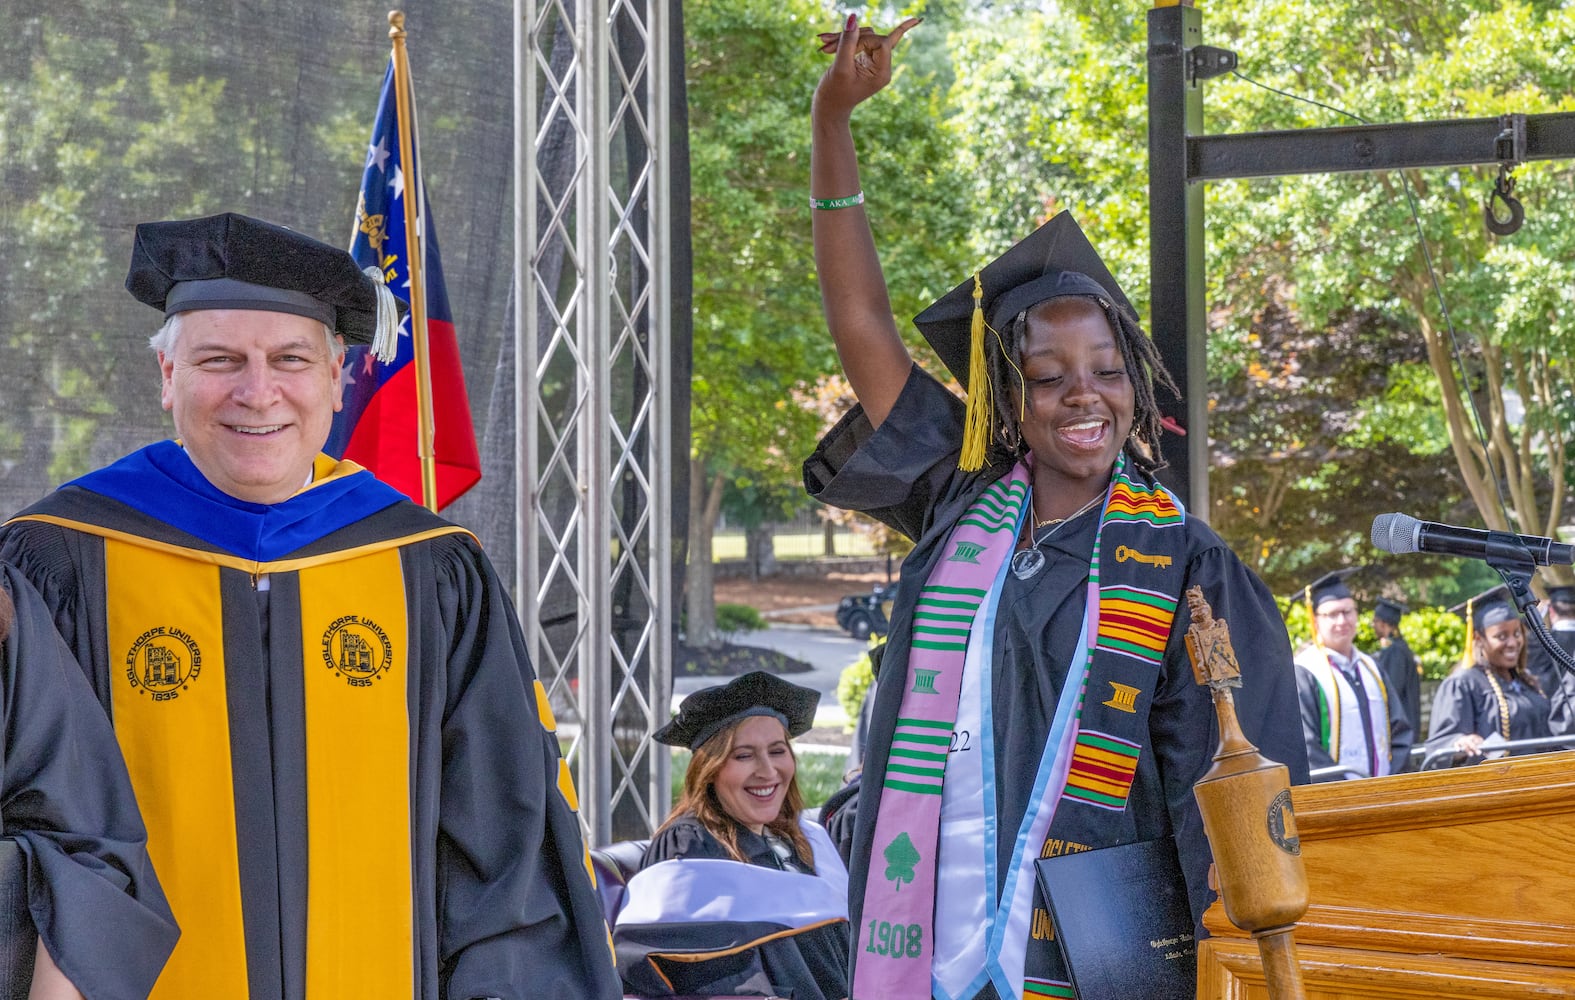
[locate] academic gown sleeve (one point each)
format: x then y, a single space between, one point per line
904 472
1455 712
67 801
518 917
1308 696
1402 734
1561 719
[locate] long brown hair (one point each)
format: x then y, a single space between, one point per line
699 798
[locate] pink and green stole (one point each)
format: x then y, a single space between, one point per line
1090 757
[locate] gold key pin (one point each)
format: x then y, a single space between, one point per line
1158 562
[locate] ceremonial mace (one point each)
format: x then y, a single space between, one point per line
1245 799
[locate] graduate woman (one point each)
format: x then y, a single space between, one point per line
1492 696
1036 628
739 893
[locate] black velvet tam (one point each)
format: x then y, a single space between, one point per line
233 261
1054 260
708 711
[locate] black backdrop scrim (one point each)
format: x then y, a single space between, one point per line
113 113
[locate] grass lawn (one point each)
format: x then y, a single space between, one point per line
797 545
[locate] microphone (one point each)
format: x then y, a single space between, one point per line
1400 533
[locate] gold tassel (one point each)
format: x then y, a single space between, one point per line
980 414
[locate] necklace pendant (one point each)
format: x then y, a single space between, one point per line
1027 562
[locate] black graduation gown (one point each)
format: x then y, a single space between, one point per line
66 800
1465 703
811 964
1539 662
1561 716
503 904
905 474
1400 672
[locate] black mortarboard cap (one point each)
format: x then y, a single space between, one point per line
1491 607
1054 260
1329 587
708 711
1562 595
233 261
1389 611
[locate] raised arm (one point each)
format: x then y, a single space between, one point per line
852 288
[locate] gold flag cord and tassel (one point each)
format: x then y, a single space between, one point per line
416 247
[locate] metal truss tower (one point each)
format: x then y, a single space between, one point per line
593 380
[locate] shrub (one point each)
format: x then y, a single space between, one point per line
854 683
1438 639
734 619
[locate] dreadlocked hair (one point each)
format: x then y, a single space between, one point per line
1145 370
699 799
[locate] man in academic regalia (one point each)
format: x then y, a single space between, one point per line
321 690
1351 716
1561 623
1397 662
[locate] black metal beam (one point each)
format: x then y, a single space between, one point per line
1176 318
1391 146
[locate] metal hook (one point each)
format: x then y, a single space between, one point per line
1504 191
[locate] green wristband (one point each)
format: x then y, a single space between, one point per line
829 203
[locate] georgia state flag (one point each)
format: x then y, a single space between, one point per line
378 427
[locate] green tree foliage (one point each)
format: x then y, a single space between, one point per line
1347 242
114 113
1322 319
759 335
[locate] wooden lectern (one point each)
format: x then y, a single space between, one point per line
1434 886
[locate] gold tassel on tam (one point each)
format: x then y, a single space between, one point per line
981 407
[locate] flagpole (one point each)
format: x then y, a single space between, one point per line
416 247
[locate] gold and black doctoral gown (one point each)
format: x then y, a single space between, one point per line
340 748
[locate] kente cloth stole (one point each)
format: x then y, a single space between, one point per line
1090 758
170 704
1333 704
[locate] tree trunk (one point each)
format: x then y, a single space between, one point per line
829 547
700 583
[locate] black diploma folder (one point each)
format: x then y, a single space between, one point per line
1123 921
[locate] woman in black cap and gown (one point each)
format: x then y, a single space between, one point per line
1035 697
1493 695
739 893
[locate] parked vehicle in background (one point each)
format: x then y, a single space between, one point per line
863 615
